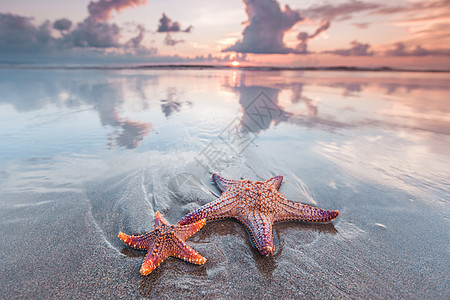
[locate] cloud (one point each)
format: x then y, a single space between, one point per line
135 42
327 13
94 31
425 21
167 25
62 24
303 37
169 41
323 26
102 9
18 34
356 49
415 7
267 23
362 25
401 50
343 11
95 34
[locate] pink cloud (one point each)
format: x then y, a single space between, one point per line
101 10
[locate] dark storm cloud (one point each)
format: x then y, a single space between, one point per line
167 25
267 23
356 49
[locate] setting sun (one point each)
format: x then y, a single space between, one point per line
235 63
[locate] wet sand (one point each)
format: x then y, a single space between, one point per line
60 213
64 245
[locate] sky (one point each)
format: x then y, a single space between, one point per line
284 33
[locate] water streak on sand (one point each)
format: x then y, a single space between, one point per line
102 235
32 204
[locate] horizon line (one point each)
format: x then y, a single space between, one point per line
130 66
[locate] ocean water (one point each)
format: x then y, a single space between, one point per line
86 153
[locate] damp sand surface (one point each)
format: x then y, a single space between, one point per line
86 153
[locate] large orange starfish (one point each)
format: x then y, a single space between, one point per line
164 241
257 205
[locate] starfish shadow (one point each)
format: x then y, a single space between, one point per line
265 264
305 232
319 227
149 282
174 268
220 227
128 252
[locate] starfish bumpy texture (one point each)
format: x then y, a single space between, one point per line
164 241
257 205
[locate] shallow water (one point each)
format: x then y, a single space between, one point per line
85 154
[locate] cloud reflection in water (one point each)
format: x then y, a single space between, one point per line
135 102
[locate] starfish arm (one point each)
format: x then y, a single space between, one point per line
276 181
138 241
155 256
183 251
220 208
159 220
290 210
222 183
185 231
260 227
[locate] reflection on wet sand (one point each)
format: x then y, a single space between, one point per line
108 97
404 105
172 103
424 115
261 107
129 134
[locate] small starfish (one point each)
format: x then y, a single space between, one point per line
257 205
164 241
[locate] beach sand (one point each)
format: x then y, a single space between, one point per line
66 193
